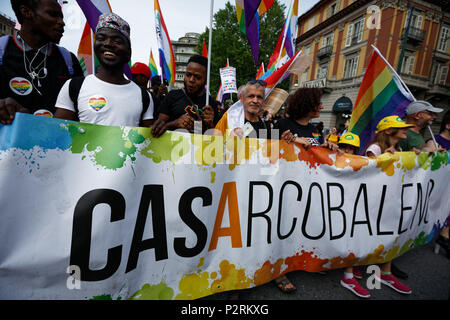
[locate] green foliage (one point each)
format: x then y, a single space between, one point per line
229 42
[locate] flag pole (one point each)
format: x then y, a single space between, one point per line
208 75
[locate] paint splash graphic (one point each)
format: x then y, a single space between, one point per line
110 153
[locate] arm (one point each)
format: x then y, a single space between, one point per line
65 114
8 109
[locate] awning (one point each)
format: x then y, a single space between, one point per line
343 104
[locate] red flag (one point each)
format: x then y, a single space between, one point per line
205 51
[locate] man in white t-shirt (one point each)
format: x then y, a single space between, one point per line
107 98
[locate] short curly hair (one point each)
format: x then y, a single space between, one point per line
303 101
16 4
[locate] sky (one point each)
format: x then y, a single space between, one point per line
180 16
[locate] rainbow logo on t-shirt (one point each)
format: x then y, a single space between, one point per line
97 103
20 86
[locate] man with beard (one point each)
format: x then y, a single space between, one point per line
180 108
32 67
107 98
421 114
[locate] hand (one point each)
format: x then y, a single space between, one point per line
208 116
330 145
8 108
391 149
184 122
237 132
159 127
416 151
303 141
288 136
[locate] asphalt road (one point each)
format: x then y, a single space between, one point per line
428 278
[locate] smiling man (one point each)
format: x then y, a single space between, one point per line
180 108
107 98
32 67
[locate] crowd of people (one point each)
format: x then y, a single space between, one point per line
38 74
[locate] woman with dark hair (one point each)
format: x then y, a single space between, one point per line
303 106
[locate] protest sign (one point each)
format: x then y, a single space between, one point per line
228 79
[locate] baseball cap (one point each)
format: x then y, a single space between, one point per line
349 138
421 105
392 122
141 68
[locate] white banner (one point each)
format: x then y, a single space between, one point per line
93 212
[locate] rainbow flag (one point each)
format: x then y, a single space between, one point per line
285 46
85 51
260 71
382 93
248 13
152 65
166 56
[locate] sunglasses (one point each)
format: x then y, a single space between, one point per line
261 82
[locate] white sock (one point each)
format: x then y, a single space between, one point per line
348 275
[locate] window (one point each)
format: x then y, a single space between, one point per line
322 72
327 40
180 76
307 50
444 35
350 67
441 75
354 32
416 20
332 10
408 64
310 24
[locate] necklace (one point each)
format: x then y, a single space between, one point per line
35 72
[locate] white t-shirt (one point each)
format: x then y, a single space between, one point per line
104 103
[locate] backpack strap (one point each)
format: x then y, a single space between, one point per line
3 43
67 56
74 90
145 100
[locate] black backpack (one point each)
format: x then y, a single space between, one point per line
75 87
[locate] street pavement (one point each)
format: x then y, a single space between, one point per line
428 278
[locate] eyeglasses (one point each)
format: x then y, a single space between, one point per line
261 82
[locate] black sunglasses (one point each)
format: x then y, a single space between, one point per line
261 82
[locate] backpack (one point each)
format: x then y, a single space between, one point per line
67 56
75 87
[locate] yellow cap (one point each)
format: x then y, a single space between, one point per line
349 138
392 122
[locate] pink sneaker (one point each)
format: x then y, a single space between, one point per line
357 273
391 281
355 287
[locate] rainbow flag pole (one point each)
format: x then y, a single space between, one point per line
382 93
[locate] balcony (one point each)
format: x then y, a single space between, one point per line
414 35
325 52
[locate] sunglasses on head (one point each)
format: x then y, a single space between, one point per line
261 82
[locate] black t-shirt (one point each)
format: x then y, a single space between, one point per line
16 83
309 131
264 126
176 101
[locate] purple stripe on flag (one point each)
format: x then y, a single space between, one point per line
252 32
250 8
90 12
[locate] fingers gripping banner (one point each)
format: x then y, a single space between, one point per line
91 212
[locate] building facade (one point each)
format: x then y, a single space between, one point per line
7 25
183 49
412 35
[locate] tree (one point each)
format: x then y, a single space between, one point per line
229 42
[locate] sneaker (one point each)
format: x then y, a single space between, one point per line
355 287
357 273
391 281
